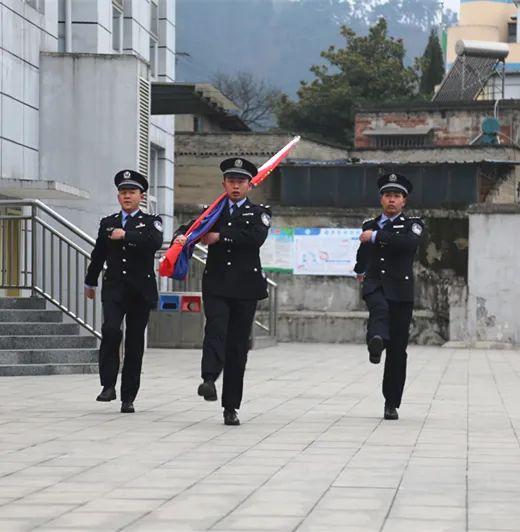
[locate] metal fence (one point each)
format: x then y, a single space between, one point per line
43 252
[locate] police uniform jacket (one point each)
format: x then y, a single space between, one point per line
388 262
233 267
130 262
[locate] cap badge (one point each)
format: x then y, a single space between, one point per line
392 178
126 175
238 163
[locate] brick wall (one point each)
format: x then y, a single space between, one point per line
451 127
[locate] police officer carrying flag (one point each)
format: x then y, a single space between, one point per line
127 242
232 284
385 267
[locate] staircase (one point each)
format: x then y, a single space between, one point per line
35 341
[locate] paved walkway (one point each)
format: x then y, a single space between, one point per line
313 453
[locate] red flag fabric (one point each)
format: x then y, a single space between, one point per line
167 264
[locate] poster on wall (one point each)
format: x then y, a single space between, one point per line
325 251
277 252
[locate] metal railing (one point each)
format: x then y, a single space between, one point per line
43 252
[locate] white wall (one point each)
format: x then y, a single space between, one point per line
23 32
88 128
493 280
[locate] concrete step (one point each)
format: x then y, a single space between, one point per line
32 329
22 303
46 342
49 356
18 370
32 315
350 327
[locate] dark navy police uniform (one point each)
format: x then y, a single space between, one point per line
232 284
388 286
129 287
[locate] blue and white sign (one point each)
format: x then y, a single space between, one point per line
325 251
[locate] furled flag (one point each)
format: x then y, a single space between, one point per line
175 262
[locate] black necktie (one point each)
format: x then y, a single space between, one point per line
232 209
387 223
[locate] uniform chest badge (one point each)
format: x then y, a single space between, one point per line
158 225
417 229
266 219
248 214
140 225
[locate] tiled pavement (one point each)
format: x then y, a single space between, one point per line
312 454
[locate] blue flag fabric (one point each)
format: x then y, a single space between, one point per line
183 262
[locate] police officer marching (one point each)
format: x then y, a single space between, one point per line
385 267
127 242
232 284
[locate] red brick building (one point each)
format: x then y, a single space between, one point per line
432 124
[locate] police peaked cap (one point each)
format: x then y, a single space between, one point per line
238 167
394 183
125 179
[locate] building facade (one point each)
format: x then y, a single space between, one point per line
494 21
75 95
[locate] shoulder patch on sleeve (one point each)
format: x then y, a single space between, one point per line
417 228
266 219
158 225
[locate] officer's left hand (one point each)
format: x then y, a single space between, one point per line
366 236
117 234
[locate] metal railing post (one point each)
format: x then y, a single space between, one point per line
34 249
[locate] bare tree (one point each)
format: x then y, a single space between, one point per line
255 98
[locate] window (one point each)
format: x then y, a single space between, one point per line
117 27
154 177
154 20
402 141
197 124
511 31
154 39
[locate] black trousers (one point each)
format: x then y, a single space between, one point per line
391 320
226 344
137 312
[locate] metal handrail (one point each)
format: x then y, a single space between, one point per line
44 259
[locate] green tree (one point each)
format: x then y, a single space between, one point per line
431 65
368 70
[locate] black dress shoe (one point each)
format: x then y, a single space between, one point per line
375 348
127 407
230 417
107 394
208 391
391 412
